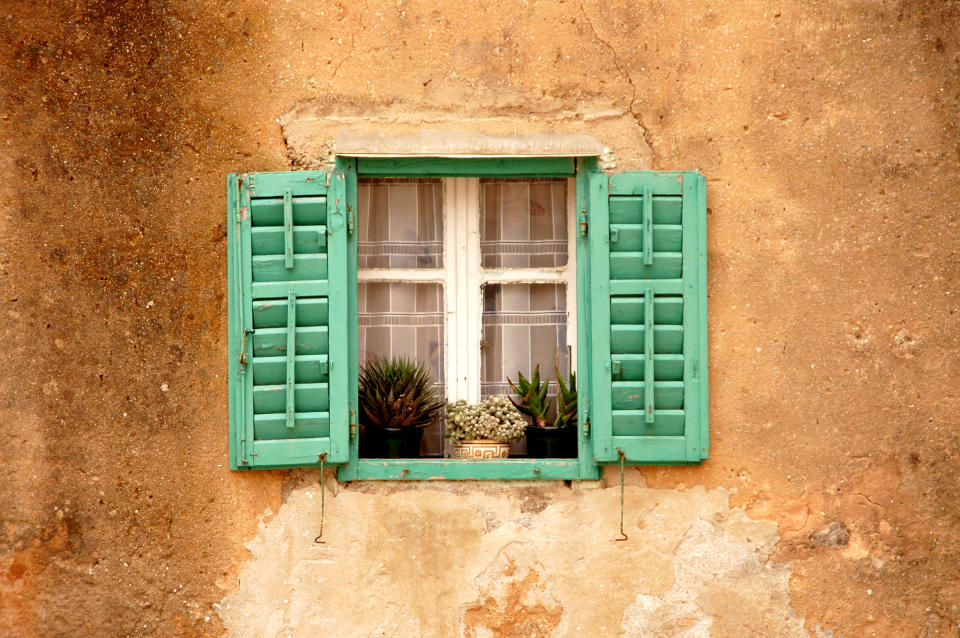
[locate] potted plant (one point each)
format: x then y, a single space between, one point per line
484 430
397 400
546 440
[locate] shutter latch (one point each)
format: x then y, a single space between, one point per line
353 424
583 222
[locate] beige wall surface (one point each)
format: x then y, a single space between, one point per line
828 132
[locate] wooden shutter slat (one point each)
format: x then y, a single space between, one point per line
269 240
309 397
272 313
310 368
306 425
629 238
307 211
666 367
630 266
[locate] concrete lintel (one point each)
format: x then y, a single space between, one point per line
435 143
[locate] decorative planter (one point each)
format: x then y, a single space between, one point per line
394 443
551 443
481 449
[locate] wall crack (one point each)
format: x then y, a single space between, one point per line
626 75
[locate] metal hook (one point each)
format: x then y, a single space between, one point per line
622 456
323 498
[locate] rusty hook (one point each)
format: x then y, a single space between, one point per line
323 498
622 456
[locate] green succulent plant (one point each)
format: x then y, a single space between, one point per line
398 393
566 401
494 419
533 397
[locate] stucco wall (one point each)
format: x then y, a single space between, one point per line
828 134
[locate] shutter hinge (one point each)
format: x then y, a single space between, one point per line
586 426
349 219
583 222
353 424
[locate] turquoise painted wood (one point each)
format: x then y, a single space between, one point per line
466 167
642 365
288 316
477 470
649 332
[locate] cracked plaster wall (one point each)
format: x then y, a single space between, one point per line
510 560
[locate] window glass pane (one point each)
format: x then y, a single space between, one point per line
405 320
523 325
400 223
523 223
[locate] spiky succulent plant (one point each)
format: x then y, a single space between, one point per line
566 401
494 419
533 397
398 393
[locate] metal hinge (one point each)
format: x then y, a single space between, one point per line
349 219
583 222
586 426
353 424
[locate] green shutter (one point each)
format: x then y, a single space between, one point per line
648 382
288 314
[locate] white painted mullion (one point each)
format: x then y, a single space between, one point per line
452 266
473 314
572 235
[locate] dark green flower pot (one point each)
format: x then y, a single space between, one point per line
551 443
394 443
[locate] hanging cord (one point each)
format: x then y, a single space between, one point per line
323 498
622 457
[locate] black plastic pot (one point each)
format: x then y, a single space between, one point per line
551 443
393 443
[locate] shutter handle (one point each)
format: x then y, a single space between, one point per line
647 226
243 346
287 230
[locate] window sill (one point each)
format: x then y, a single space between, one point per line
457 469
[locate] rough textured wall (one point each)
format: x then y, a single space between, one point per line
828 133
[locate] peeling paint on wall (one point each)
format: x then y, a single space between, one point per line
490 560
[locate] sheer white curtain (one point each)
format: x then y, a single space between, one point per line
400 225
523 225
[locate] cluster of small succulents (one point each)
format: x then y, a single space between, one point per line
494 419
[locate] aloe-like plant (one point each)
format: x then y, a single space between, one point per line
398 393
533 397
566 401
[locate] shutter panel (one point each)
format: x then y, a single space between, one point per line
288 307
648 317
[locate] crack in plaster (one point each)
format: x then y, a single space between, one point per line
353 45
626 75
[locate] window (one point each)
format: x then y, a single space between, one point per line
479 268
487 264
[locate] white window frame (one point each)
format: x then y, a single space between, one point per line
462 278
